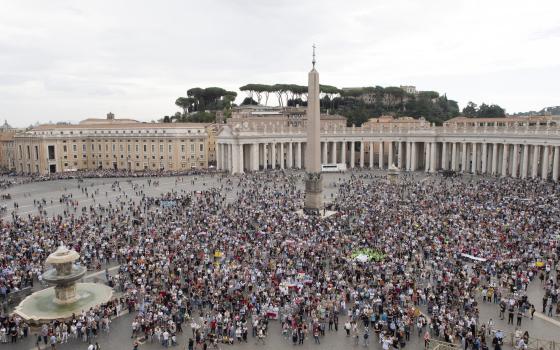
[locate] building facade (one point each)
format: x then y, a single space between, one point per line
121 144
514 146
7 134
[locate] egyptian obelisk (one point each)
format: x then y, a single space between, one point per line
313 182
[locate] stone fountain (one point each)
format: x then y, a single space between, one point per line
67 297
63 275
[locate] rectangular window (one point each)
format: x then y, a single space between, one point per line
153 148
161 148
74 148
182 148
192 147
170 148
64 149
137 148
51 152
201 147
36 152
84 147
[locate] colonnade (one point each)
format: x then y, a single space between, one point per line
496 158
237 158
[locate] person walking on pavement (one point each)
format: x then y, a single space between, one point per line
510 314
519 315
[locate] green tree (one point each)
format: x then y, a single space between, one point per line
471 110
490 111
249 101
184 103
279 90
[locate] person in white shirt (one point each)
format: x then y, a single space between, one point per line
165 338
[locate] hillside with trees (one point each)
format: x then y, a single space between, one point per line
201 104
359 104
545 111
356 104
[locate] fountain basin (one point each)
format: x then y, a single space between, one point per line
75 273
40 307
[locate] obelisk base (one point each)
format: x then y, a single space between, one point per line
313 194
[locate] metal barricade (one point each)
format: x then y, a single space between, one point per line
435 344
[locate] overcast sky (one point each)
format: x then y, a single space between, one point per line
69 60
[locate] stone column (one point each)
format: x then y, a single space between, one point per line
484 158
390 155
273 155
232 158
333 154
427 156
371 155
545 163
241 166
399 155
474 160
325 153
218 155
298 155
505 159
255 156
352 154
290 155
444 155
556 163
464 165
413 157
226 157
265 156
222 156
282 157
407 156
494 158
515 160
343 152
454 156
381 155
433 159
362 150
525 162
234 168
535 162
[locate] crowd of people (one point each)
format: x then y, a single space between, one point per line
226 269
18 179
